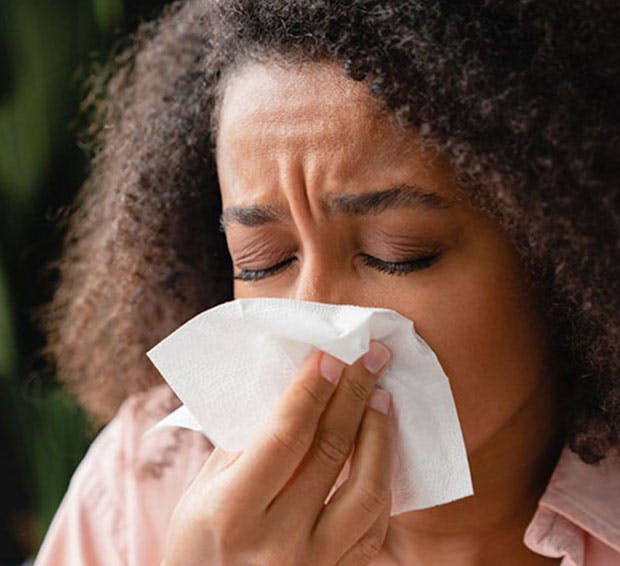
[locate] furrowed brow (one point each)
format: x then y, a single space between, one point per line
251 215
374 202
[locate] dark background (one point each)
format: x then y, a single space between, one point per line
48 49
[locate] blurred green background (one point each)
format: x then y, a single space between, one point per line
47 51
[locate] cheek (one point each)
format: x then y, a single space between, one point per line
478 319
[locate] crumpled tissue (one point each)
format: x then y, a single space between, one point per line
230 364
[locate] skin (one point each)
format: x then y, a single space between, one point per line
301 141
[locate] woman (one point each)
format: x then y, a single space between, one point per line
455 163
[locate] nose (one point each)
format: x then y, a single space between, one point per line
322 287
327 280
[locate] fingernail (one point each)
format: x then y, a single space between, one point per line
376 358
330 367
380 401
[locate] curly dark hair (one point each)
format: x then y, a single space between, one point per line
521 97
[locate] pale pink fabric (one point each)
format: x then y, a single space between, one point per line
120 500
578 516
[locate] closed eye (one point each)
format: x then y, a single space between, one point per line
400 267
389 267
255 274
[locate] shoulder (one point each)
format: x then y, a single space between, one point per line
579 513
123 493
127 450
151 455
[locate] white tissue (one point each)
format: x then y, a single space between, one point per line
230 364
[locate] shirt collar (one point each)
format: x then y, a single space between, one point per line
579 497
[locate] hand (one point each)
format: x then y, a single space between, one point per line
266 506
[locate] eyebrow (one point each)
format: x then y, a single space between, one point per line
373 202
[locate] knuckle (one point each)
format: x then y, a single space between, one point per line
359 390
331 447
292 438
373 499
312 394
370 546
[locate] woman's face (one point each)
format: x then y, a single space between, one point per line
326 200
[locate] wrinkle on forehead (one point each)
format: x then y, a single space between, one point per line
257 93
285 124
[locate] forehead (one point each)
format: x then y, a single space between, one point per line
283 96
279 119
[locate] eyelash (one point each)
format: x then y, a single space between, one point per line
392 268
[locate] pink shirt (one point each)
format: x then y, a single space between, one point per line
121 497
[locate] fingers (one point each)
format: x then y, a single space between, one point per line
370 544
269 500
335 434
270 462
366 495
